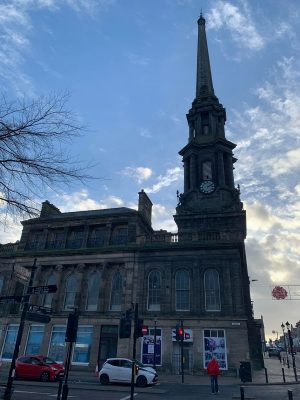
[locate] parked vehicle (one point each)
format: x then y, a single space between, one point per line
274 352
38 367
119 370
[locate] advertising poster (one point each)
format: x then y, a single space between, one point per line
148 348
215 346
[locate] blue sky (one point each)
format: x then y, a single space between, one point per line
129 66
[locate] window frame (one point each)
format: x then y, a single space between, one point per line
116 307
216 290
90 279
157 292
65 308
181 290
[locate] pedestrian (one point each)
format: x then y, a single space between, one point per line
213 370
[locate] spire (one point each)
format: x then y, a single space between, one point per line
204 80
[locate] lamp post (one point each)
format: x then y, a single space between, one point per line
154 348
292 349
285 348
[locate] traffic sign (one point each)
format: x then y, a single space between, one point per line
43 310
35 317
42 289
13 299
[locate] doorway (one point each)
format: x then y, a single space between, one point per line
108 344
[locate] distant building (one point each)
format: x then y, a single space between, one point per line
104 260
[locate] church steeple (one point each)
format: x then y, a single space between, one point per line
208 159
204 85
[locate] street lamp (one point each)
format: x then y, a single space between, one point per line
154 348
285 347
292 349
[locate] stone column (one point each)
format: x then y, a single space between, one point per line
81 290
186 174
221 172
56 303
193 167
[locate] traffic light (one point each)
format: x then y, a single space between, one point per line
125 328
71 332
179 333
140 329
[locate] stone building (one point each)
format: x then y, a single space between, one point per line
104 260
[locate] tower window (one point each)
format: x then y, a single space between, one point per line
205 123
207 170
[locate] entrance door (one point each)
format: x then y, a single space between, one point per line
108 343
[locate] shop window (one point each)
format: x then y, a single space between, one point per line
70 292
215 346
49 296
82 349
9 342
182 289
154 291
93 292
34 340
57 343
116 292
212 290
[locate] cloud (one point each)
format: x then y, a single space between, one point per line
17 32
144 132
225 15
140 174
138 59
162 218
172 175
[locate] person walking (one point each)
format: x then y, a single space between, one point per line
213 369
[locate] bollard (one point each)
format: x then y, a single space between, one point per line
290 394
266 375
242 390
283 374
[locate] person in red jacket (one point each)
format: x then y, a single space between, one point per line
213 370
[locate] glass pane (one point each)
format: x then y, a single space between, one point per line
34 340
154 290
57 343
93 292
116 293
1 283
212 290
10 341
70 294
83 344
49 296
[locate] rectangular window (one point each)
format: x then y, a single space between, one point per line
9 342
207 171
82 349
57 343
215 346
34 339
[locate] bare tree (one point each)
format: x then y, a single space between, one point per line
33 157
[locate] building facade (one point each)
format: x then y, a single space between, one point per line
103 261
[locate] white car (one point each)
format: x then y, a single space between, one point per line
119 370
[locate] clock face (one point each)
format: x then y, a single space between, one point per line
207 187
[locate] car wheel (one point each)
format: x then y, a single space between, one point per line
141 381
104 379
45 377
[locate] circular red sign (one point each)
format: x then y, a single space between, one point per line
279 293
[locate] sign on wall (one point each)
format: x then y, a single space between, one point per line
215 346
147 350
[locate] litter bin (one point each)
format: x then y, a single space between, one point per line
245 371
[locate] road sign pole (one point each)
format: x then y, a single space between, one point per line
9 385
136 317
181 352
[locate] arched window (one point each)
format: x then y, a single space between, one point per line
93 292
212 290
1 283
154 289
116 292
207 170
49 296
70 292
182 288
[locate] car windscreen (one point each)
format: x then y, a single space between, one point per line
48 360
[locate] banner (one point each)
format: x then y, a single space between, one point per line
147 343
285 292
215 346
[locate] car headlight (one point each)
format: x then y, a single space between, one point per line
54 369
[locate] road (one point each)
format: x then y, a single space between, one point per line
159 392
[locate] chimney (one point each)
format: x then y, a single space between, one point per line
145 206
48 209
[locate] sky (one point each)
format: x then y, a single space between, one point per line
130 68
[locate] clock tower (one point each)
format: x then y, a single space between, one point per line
208 156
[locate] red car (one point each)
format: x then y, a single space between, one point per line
38 367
